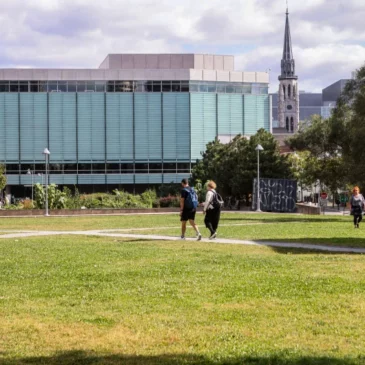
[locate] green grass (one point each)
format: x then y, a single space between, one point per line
98 300
329 230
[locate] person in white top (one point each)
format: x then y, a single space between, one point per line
212 214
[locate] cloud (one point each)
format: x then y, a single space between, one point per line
328 35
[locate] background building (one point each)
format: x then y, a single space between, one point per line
137 120
313 103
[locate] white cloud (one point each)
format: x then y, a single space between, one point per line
328 35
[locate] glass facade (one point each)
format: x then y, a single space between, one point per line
120 137
133 86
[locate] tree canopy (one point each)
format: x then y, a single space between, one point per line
2 177
336 155
234 165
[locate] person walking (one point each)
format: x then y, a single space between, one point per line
357 202
212 209
188 205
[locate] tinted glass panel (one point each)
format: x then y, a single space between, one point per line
113 168
99 86
34 88
175 86
98 168
4 87
156 86
127 168
62 86
194 87
110 87
72 86
141 168
155 168
12 169
148 86
52 86
166 86
90 86
14 87
23 86
185 86
81 86
84 168
70 168
56 168
169 167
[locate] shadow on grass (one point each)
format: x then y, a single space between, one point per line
84 358
293 219
343 242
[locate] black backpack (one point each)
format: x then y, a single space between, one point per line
217 201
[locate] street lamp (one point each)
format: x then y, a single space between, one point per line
46 155
30 172
258 149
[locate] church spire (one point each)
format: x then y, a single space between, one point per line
287 62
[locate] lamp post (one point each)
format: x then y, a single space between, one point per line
258 149
30 172
46 154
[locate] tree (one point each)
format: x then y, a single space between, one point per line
234 165
2 177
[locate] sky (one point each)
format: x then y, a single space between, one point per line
328 35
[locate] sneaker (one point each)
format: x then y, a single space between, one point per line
182 237
213 236
199 237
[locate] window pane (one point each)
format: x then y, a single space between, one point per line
194 87
157 86
183 167
229 88
90 86
81 86
72 86
100 86
184 86
166 86
40 168
98 168
70 168
4 86
127 168
12 169
141 168
62 86
140 86
55 168
52 86
34 86
246 89
23 86
169 167
113 168
221 88
14 86
84 168
148 86
155 168
175 86
203 88
212 87
110 87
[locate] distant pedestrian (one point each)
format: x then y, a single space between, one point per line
212 209
188 205
357 202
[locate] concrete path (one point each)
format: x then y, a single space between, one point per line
108 233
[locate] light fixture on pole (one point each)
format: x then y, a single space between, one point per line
258 149
30 172
46 154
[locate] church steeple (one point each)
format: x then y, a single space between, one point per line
287 62
288 107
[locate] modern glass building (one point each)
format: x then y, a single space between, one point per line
137 120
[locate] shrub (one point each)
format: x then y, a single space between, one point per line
170 202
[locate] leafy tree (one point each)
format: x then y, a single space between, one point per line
2 177
234 165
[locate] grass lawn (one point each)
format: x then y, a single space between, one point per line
98 300
331 230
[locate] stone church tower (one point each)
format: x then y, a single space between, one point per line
288 106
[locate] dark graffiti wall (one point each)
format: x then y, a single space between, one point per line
276 195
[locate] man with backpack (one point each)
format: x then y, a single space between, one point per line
188 205
212 209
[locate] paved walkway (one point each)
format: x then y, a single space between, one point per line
110 233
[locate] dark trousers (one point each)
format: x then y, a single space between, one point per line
211 220
357 218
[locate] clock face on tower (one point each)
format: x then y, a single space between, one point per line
289 107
